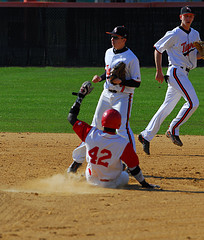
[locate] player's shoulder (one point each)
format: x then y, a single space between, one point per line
109 50
194 31
173 31
109 53
129 51
131 54
172 34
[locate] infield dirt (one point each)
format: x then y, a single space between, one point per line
38 200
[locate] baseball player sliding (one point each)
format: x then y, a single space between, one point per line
105 149
182 56
118 93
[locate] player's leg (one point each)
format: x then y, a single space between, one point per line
123 103
119 182
102 106
171 99
188 92
90 178
78 155
122 180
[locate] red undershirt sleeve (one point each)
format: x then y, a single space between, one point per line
82 129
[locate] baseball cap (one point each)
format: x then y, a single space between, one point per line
120 30
185 10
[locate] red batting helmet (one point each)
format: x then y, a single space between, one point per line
111 119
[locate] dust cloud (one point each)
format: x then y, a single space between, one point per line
58 184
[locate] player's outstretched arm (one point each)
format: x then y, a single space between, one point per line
85 89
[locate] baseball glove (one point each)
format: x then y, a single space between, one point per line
85 89
200 47
118 71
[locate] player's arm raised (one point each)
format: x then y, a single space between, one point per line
84 90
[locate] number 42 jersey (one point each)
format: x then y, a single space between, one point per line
104 151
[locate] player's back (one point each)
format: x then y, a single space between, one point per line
103 153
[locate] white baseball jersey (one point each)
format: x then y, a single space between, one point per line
182 56
179 47
104 152
132 69
121 100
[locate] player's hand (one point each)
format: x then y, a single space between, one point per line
84 90
147 185
159 77
96 79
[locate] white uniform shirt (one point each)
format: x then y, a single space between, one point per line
105 151
179 47
103 154
132 69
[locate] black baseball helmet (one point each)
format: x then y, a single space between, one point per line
120 31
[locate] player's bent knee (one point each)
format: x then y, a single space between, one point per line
79 153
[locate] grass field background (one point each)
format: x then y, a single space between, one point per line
38 99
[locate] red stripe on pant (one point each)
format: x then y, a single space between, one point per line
128 117
187 96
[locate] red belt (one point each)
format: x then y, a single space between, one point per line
104 180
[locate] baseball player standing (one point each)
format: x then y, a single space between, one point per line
118 95
105 149
182 56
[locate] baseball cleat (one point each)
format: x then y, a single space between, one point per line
124 166
73 167
174 138
145 144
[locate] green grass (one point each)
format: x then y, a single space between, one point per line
39 99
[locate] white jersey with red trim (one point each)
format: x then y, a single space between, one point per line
120 98
105 151
132 69
182 56
179 46
103 154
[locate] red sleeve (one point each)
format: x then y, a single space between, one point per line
129 156
81 129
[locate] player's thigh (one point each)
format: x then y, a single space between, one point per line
189 93
172 96
102 106
123 104
183 85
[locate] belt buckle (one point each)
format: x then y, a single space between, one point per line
186 69
113 91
